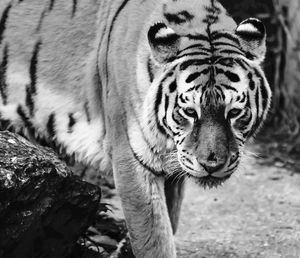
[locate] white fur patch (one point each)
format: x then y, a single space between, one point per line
86 141
9 112
164 33
248 27
17 78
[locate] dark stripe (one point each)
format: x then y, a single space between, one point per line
143 164
257 103
166 104
51 126
158 101
193 62
192 77
74 7
225 44
251 82
197 37
192 54
3 21
72 122
40 23
197 46
109 35
221 93
264 94
31 89
230 52
233 160
179 18
181 141
26 120
156 109
244 98
33 67
51 5
221 35
182 98
173 86
149 68
212 9
228 87
242 63
241 140
250 35
233 77
219 70
235 166
247 121
191 168
175 119
250 55
188 160
3 71
245 134
87 112
248 103
210 19
165 112
29 101
4 124
255 126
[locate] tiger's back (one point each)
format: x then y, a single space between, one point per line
47 49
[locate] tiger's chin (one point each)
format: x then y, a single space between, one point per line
210 181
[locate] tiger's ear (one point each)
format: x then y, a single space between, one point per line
252 35
164 42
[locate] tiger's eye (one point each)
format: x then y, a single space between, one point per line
234 113
191 112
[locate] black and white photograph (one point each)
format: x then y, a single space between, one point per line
149 129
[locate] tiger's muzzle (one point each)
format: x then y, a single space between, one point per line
214 144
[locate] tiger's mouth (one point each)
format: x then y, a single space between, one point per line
209 181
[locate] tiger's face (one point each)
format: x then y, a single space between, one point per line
209 119
210 102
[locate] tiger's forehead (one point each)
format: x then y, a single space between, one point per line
222 83
189 16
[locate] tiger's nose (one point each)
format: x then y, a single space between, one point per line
212 163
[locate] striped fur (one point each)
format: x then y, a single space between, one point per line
151 90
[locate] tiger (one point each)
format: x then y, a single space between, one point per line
153 92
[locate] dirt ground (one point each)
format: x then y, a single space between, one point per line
254 214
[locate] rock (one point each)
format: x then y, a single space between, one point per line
43 207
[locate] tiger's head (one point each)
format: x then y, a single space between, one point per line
210 95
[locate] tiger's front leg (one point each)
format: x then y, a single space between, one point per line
174 191
144 206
